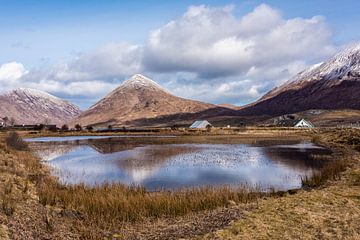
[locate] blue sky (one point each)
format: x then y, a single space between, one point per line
41 35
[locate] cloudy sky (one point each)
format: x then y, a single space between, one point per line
210 50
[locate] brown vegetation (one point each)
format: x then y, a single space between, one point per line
117 211
13 140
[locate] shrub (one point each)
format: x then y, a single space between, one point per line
331 171
65 127
78 127
89 128
14 141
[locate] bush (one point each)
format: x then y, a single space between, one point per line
331 171
64 127
89 128
14 141
78 127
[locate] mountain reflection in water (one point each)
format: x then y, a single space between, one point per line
154 165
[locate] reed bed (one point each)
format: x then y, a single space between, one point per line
120 203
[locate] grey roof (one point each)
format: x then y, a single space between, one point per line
200 124
293 122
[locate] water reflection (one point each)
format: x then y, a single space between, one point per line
158 165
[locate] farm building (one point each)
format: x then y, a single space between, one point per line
200 124
302 123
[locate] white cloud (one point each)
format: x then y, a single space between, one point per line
212 42
113 61
207 54
11 72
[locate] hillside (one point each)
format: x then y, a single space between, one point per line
334 84
29 106
139 99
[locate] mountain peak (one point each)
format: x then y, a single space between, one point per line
31 106
138 81
334 84
33 92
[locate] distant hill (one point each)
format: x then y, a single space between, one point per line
29 106
334 84
140 100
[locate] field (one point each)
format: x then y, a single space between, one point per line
35 206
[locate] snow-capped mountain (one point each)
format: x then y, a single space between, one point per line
333 84
30 106
138 98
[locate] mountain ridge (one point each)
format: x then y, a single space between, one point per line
31 106
333 84
138 97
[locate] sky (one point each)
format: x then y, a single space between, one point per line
213 51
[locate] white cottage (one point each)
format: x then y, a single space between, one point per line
200 124
302 123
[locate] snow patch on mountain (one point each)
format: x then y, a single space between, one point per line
29 106
139 81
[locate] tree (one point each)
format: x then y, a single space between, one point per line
46 121
89 128
64 127
12 121
174 127
6 121
40 127
78 127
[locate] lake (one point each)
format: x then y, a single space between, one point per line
168 162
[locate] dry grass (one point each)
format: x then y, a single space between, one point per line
331 171
329 212
115 203
96 210
13 140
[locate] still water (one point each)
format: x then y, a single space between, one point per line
167 162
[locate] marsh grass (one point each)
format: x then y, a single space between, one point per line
108 206
13 140
330 171
116 203
8 203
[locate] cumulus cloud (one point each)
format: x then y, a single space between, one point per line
212 42
11 72
108 63
206 54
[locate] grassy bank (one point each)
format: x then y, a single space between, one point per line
328 207
95 212
109 206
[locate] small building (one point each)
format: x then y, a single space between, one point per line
200 124
302 123
3 121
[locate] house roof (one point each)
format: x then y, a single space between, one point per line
287 122
293 122
200 124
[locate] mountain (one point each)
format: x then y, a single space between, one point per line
334 84
139 98
29 106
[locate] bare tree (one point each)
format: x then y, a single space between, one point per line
12 121
64 127
78 127
6 121
46 121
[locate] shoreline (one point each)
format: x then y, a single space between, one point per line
228 205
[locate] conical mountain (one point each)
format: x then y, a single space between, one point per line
138 98
30 106
334 84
